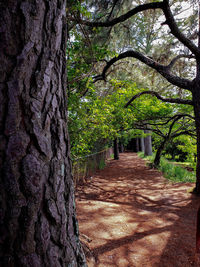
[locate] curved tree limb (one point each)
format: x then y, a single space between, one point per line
178 117
168 119
163 70
190 133
146 125
170 21
121 18
169 100
173 61
141 127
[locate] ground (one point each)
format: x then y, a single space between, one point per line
131 216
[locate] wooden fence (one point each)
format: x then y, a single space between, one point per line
83 168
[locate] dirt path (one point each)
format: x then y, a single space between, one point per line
134 218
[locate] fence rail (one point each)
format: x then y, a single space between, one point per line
85 167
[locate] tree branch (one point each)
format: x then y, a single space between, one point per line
169 100
121 18
163 70
113 7
186 132
173 61
174 119
172 124
141 127
168 119
170 21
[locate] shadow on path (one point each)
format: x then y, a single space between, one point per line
135 217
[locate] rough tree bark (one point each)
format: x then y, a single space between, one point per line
38 226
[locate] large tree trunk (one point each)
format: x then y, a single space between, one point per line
196 99
38 226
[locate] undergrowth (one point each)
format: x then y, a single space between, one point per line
171 171
102 164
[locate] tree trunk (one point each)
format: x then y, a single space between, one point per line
38 226
147 144
116 149
196 99
159 153
121 148
142 144
137 144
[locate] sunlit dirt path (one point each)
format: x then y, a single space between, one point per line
130 216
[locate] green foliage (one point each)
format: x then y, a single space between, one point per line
102 164
89 116
94 118
176 173
182 148
171 171
188 145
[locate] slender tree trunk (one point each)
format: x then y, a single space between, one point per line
147 144
116 149
142 144
38 226
159 152
137 145
121 148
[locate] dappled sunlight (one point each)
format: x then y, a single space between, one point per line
132 214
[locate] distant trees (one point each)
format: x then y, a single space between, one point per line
168 129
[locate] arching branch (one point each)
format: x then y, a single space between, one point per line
143 127
148 125
121 18
169 100
190 133
168 119
163 70
180 131
176 118
170 21
173 61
